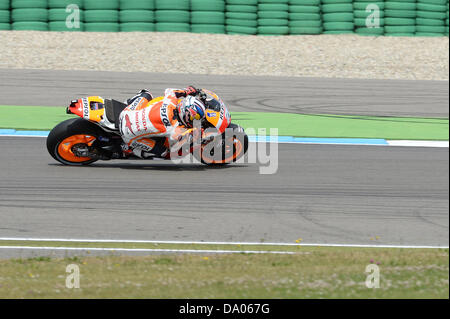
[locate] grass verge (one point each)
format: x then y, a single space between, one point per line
313 272
301 125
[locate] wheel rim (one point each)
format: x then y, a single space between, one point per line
65 147
232 151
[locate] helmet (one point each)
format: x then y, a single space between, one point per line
190 109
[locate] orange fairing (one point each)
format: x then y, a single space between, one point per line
212 117
220 120
156 99
90 108
65 147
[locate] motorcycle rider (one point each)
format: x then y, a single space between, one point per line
146 122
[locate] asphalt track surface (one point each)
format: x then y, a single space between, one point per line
320 193
241 93
323 194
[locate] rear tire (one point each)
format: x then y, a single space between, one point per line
64 131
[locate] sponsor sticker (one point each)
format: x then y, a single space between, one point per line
85 108
136 121
164 116
144 120
141 146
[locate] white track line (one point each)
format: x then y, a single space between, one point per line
418 143
11 135
405 143
154 250
216 243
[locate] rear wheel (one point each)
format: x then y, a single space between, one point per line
233 147
70 135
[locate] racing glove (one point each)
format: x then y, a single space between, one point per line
190 90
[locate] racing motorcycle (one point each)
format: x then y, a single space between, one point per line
88 138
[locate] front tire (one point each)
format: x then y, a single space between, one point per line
231 152
66 135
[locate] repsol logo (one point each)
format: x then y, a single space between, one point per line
85 108
164 116
135 104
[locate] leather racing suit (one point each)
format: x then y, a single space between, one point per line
150 127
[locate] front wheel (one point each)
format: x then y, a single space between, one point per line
69 135
233 146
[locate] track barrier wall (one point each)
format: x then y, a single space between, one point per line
245 17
